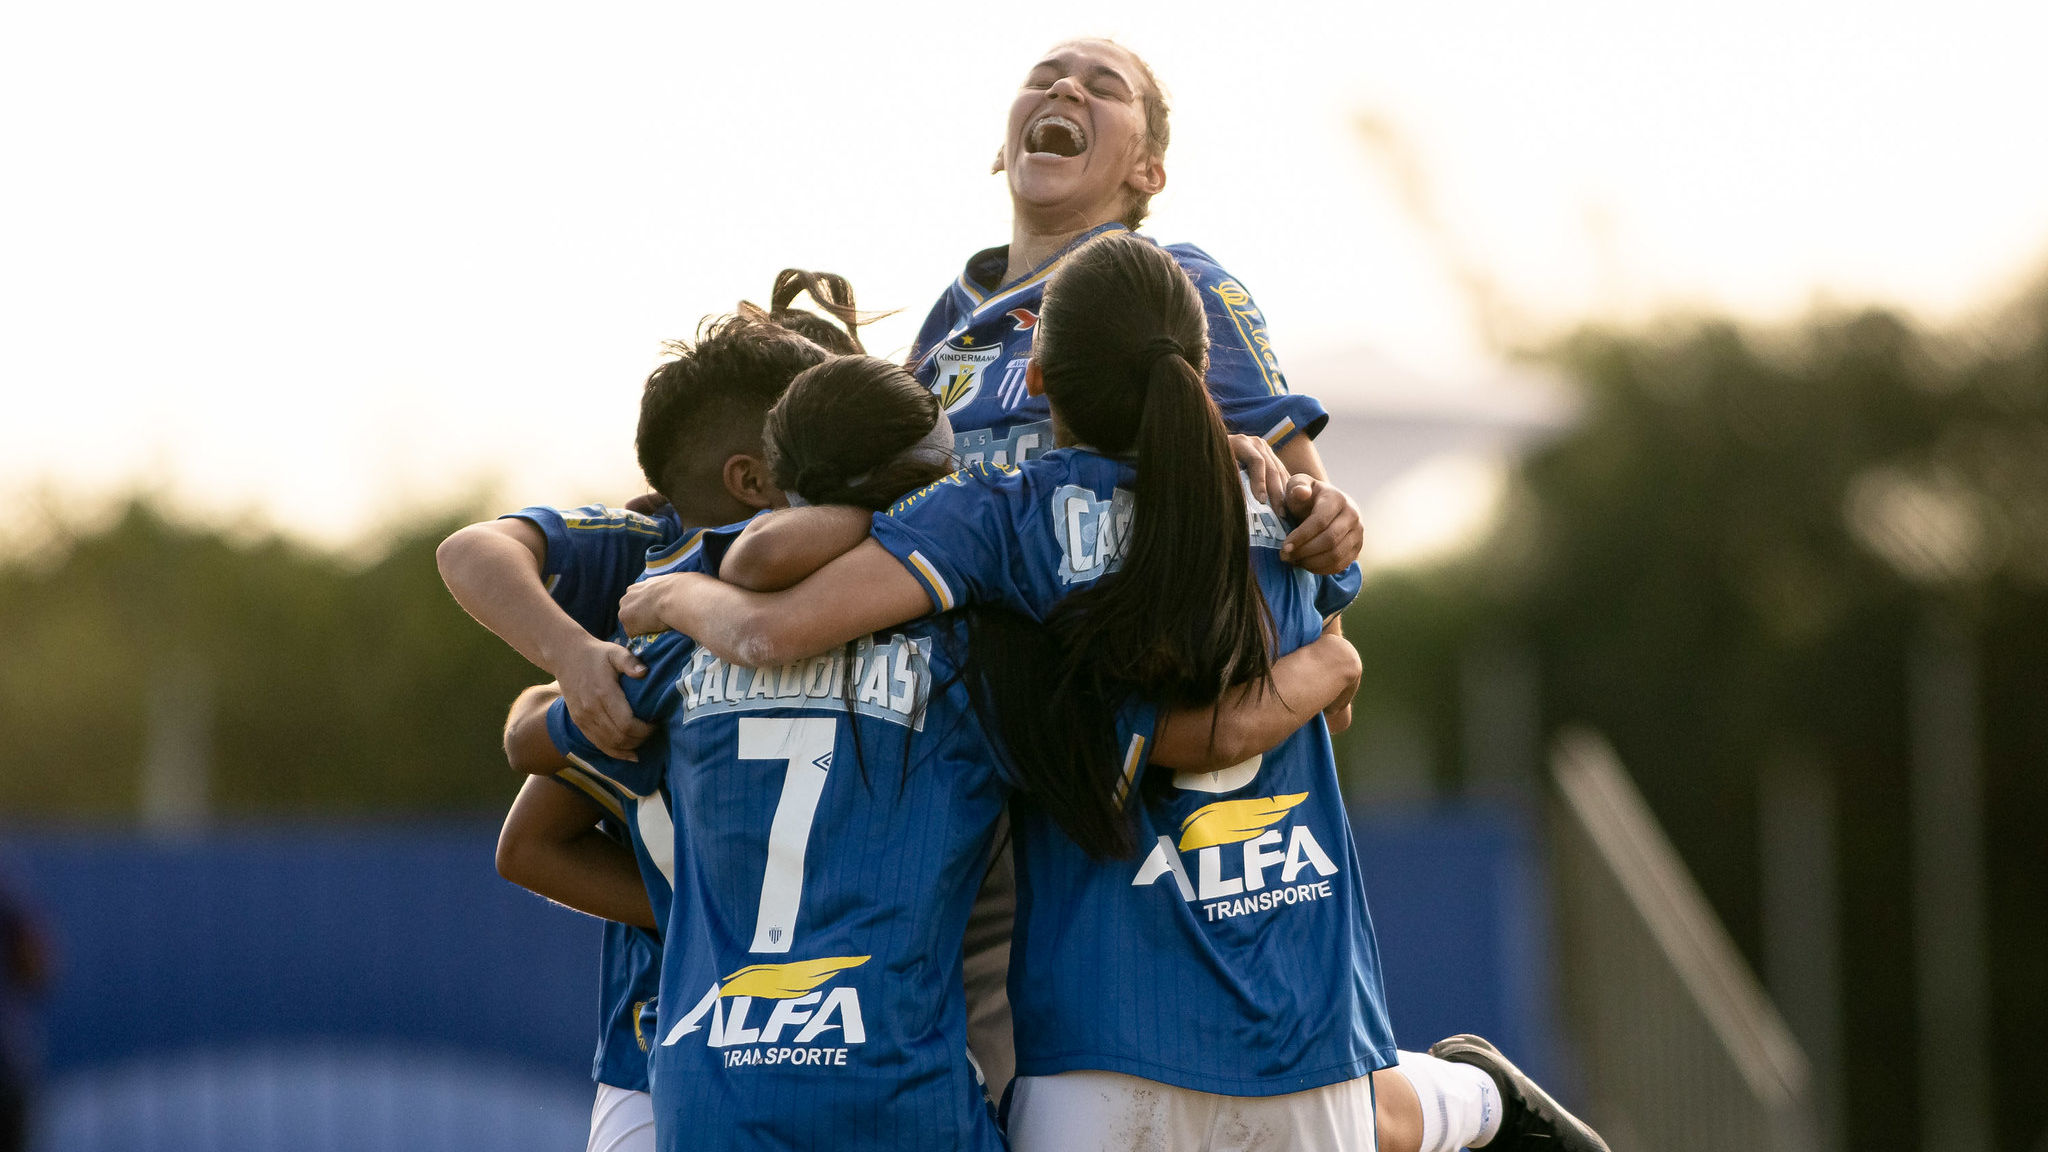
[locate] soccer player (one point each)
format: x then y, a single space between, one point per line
1084 152
835 813
548 582
1228 985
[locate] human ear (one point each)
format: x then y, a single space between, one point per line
747 480
1034 380
1148 176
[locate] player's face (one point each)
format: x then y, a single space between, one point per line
1076 139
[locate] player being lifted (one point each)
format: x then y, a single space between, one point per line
1222 979
1084 152
833 815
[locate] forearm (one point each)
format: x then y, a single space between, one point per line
1299 455
496 577
861 592
550 845
1254 718
779 549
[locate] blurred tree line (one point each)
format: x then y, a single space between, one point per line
331 685
1728 566
1725 566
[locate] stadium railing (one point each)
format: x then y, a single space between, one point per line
1677 1047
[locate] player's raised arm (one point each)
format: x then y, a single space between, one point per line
494 569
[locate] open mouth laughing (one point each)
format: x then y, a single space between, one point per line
1056 135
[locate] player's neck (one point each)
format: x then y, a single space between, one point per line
1034 241
710 512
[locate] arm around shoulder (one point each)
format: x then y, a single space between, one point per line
780 548
1252 719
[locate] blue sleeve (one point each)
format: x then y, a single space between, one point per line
652 698
593 554
958 537
1335 593
1244 374
607 797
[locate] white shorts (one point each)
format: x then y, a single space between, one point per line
621 1121
1103 1111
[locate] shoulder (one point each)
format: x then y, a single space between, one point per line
601 518
978 479
696 551
1201 267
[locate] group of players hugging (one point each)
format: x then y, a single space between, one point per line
947 744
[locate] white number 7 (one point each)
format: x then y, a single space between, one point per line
805 744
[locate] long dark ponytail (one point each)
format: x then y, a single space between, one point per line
1121 346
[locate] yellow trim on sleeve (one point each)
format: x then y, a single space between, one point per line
574 775
932 578
1132 758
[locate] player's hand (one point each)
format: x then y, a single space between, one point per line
1338 714
1262 466
590 688
647 503
647 606
1330 533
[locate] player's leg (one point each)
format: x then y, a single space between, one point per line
1465 1094
1529 1118
621 1121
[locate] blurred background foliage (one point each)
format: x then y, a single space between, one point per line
334 685
1724 565
1727 565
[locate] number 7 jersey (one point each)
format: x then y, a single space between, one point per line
833 820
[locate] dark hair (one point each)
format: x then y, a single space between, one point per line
810 450
715 393
1121 345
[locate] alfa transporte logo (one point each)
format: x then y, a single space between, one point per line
795 990
960 369
1208 830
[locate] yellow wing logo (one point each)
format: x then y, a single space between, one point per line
1230 821
786 981
957 388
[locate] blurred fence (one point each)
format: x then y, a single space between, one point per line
1679 1048
380 989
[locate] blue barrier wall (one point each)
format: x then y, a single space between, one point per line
381 932
184 960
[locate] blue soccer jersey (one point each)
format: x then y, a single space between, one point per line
977 339
593 554
836 816
634 791
629 962
1234 953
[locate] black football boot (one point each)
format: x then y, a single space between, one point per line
1532 1121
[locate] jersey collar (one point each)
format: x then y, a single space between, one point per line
987 264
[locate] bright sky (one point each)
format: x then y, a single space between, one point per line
329 263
